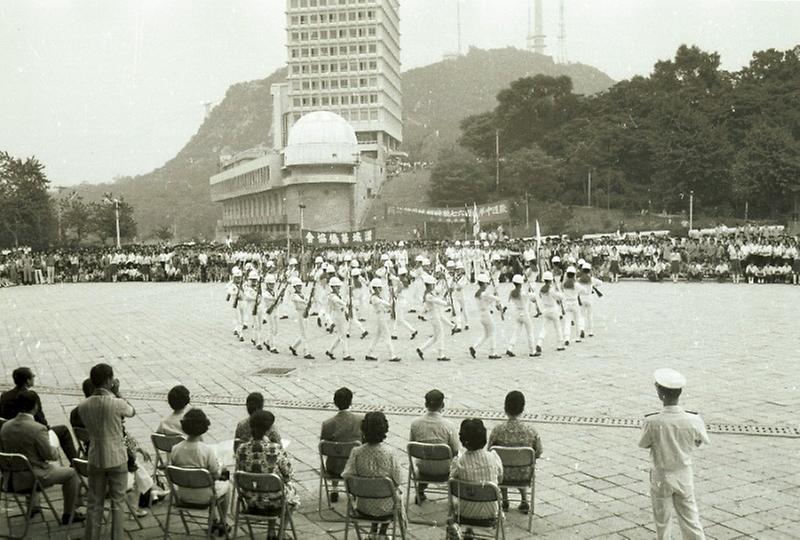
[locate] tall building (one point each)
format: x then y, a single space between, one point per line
344 57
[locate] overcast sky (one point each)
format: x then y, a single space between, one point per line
99 88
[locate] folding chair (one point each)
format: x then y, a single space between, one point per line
264 485
519 472
18 479
182 478
338 451
476 492
82 436
359 487
431 454
162 444
81 466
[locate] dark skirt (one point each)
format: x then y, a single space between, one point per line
736 266
674 267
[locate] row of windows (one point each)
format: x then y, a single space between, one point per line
341 33
334 84
352 115
252 179
364 65
265 204
328 17
323 3
343 99
312 52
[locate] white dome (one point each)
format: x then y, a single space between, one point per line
321 138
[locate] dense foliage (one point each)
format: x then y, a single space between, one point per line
26 212
731 138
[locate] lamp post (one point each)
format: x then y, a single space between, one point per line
109 200
302 244
691 209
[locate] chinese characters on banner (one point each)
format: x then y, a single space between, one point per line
318 238
488 213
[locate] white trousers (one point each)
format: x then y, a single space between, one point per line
381 334
675 491
587 318
572 313
489 334
341 335
461 311
301 338
438 337
549 318
522 323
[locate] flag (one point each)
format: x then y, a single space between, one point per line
476 221
538 236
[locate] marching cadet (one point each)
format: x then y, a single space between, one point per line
444 289
519 300
289 272
486 303
434 306
337 308
249 295
401 284
355 293
531 271
459 286
671 435
557 272
572 301
300 303
549 301
269 315
497 267
316 273
234 289
588 286
382 310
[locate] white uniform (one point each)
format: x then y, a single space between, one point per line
587 300
337 308
270 329
299 301
248 302
459 301
382 310
401 300
572 312
519 308
486 304
548 303
234 290
434 307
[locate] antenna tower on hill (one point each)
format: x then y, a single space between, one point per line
562 35
536 34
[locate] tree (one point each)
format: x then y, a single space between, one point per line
74 216
531 171
26 212
103 219
766 170
163 233
459 178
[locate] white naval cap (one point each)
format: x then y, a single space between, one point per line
428 279
335 282
570 270
547 276
270 278
518 279
252 275
293 261
483 278
376 283
669 378
586 266
402 271
294 281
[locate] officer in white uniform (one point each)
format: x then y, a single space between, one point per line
572 299
234 290
337 308
548 300
401 284
248 303
487 302
270 320
434 306
519 301
299 301
587 282
460 282
671 435
382 310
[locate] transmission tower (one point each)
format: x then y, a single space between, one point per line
562 35
536 34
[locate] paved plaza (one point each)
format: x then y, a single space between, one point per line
737 345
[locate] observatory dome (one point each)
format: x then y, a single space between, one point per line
321 138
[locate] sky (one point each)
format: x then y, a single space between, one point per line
103 88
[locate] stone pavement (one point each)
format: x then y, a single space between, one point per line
737 345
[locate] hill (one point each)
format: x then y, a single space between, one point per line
436 98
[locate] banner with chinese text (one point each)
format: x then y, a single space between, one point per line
319 238
487 213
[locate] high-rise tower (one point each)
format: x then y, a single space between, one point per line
536 34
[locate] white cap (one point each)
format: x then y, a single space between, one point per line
458 242
292 261
483 278
586 266
485 244
294 281
556 258
459 265
388 263
270 278
450 264
401 243
581 261
426 261
547 276
236 272
385 257
530 256
495 257
335 282
428 279
355 272
317 260
402 271
376 283
669 378
354 263
252 275
270 264
571 270
419 258
518 279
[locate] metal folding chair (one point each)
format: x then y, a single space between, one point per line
477 492
82 436
162 444
182 478
358 487
519 472
435 455
268 486
336 454
81 466
19 481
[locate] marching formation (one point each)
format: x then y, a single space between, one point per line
349 301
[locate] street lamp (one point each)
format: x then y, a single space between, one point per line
109 200
302 244
691 209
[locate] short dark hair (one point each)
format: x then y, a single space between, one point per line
26 401
374 427
21 375
472 434
178 397
260 423
343 398
254 402
515 403
434 400
87 387
670 393
195 422
100 374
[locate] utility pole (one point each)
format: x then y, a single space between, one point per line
458 20
589 189
746 209
691 210
497 159
527 212
302 243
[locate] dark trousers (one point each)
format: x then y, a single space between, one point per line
66 442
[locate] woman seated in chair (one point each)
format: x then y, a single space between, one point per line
476 465
375 459
261 456
193 453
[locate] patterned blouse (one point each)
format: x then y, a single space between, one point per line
478 466
243 432
266 457
515 433
375 460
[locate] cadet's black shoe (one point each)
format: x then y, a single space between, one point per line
263 321
510 354
274 350
349 358
412 310
566 343
319 322
362 320
313 314
348 336
370 358
364 334
494 356
329 354
394 359
419 353
583 334
454 331
472 352
253 341
309 356
244 327
414 334
292 349
443 359
560 348
259 347
420 317
241 338
466 327
394 338
282 317
591 335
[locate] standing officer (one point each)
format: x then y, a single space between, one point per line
234 289
671 435
300 303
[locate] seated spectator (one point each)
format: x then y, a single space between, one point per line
194 453
255 403
259 455
178 399
433 428
24 435
476 465
515 433
23 380
344 426
375 459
